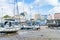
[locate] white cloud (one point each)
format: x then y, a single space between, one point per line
27 7
24 7
2 0
55 10
5 8
9 8
52 2
44 2
41 3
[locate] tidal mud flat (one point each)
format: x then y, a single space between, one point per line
46 34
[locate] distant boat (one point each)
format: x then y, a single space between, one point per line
30 25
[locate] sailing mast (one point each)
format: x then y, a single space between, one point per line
31 12
2 14
24 10
17 10
23 6
14 8
17 7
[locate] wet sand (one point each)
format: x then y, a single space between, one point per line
46 34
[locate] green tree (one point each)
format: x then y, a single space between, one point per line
6 16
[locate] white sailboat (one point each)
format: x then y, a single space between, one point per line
9 25
28 24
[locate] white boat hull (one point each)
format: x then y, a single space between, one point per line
32 27
9 29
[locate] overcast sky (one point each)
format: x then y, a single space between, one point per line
30 6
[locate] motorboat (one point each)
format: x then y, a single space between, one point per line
9 26
30 25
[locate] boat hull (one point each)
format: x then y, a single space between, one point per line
9 30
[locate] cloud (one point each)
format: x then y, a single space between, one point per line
8 7
46 2
5 8
37 4
52 2
27 8
56 5
55 10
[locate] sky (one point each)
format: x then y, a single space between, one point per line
32 7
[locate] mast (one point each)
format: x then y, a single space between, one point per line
2 11
17 10
2 14
14 8
24 10
23 5
17 7
31 12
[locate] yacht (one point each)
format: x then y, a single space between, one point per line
9 26
30 25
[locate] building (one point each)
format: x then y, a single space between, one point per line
57 16
54 16
41 18
50 16
36 16
55 20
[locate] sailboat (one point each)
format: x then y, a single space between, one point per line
29 24
9 25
